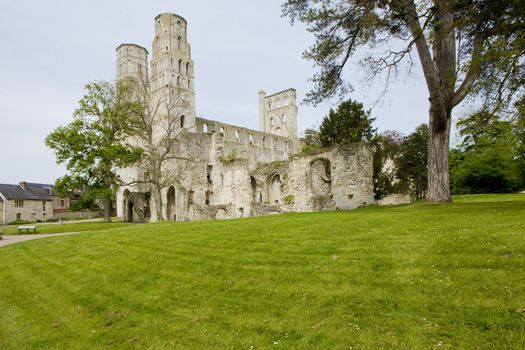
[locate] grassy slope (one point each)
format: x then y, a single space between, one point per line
66 227
411 277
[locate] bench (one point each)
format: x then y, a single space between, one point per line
27 228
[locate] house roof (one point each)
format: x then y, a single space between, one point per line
32 192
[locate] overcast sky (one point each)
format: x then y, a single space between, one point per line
51 49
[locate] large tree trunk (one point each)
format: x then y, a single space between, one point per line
157 198
438 148
107 209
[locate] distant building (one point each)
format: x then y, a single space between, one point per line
30 201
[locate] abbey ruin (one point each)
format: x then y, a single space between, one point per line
227 171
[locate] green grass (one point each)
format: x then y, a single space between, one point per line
449 276
66 227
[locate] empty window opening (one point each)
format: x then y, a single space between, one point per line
188 68
350 196
275 143
222 130
189 84
167 49
205 127
208 173
237 136
222 180
180 66
207 199
178 42
178 81
271 122
190 197
264 141
241 212
250 139
182 121
284 118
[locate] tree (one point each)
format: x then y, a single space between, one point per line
311 140
386 150
464 47
158 122
348 124
91 146
411 164
485 161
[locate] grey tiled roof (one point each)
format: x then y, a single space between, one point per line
33 191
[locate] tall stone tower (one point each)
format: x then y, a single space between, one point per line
132 62
172 66
278 113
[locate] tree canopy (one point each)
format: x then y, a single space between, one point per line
349 123
464 47
92 145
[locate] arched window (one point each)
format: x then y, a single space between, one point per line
222 130
250 139
167 49
189 84
188 68
271 121
178 24
205 127
182 121
237 136
180 66
178 81
178 42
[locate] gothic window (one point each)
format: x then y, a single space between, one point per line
180 66
205 127
188 68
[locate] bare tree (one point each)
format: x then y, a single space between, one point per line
158 122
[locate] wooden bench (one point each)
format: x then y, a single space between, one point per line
27 228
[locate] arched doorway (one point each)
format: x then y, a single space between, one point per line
125 198
129 215
170 200
274 189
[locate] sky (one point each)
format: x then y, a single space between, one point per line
51 49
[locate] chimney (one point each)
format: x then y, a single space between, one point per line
23 184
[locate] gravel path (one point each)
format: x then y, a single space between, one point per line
12 239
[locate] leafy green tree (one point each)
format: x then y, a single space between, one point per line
485 161
92 145
348 124
386 150
412 162
311 140
464 47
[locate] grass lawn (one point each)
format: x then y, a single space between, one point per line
66 227
448 276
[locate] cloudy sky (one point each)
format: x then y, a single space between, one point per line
51 49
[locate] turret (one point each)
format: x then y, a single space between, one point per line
132 62
172 66
278 113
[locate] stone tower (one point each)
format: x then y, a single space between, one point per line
132 62
171 65
278 113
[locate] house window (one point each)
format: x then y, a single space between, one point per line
19 203
18 216
62 203
43 205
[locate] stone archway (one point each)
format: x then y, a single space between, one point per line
171 213
321 176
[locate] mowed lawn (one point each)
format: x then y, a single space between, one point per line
448 276
66 226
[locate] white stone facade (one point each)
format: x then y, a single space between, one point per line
227 171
